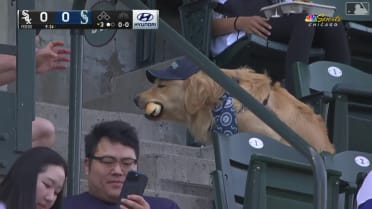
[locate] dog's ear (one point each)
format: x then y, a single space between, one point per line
200 91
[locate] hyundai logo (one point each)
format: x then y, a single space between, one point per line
145 17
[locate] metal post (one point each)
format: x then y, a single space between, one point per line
25 101
75 106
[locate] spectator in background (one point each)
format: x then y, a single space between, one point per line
48 58
111 150
233 19
35 181
364 196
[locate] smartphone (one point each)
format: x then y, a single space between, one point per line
135 183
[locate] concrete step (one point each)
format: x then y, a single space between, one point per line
146 147
175 168
161 161
123 91
163 131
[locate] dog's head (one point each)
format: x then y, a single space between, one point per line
178 92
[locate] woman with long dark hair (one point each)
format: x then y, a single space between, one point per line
35 181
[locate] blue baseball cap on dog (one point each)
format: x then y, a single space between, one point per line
180 69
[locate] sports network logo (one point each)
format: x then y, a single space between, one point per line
321 20
145 19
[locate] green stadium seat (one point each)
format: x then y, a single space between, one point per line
255 171
285 183
359 37
354 166
342 94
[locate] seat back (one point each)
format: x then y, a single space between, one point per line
359 35
322 76
354 166
350 117
285 183
234 156
195 18
345 99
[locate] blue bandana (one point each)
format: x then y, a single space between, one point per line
225 120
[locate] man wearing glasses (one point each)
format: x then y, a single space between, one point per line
111 150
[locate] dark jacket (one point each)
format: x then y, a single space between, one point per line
87 201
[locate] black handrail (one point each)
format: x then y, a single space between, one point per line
320 189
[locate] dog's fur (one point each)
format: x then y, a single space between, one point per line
191 101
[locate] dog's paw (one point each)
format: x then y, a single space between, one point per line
152 109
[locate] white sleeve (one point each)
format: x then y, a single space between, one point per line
365 191
2 206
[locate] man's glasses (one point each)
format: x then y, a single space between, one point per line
110 161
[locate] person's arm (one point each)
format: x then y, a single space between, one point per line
47 58
7 68
223 26
249 24
7 62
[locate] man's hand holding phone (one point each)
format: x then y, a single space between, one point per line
132 191
134 202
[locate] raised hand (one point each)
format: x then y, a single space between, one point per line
50 57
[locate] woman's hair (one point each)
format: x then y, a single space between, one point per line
18 189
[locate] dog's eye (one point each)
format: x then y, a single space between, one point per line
161 85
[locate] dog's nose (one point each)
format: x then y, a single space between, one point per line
136 100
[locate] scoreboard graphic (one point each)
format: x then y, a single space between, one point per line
87 19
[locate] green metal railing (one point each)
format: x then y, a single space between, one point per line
25 100
75 105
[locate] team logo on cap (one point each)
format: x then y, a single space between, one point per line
174 65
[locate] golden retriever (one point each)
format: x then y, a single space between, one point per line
191 101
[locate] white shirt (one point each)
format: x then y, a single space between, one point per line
220 43
2 206
365 191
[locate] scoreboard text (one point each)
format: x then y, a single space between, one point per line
75 19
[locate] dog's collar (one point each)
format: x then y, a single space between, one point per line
224 114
